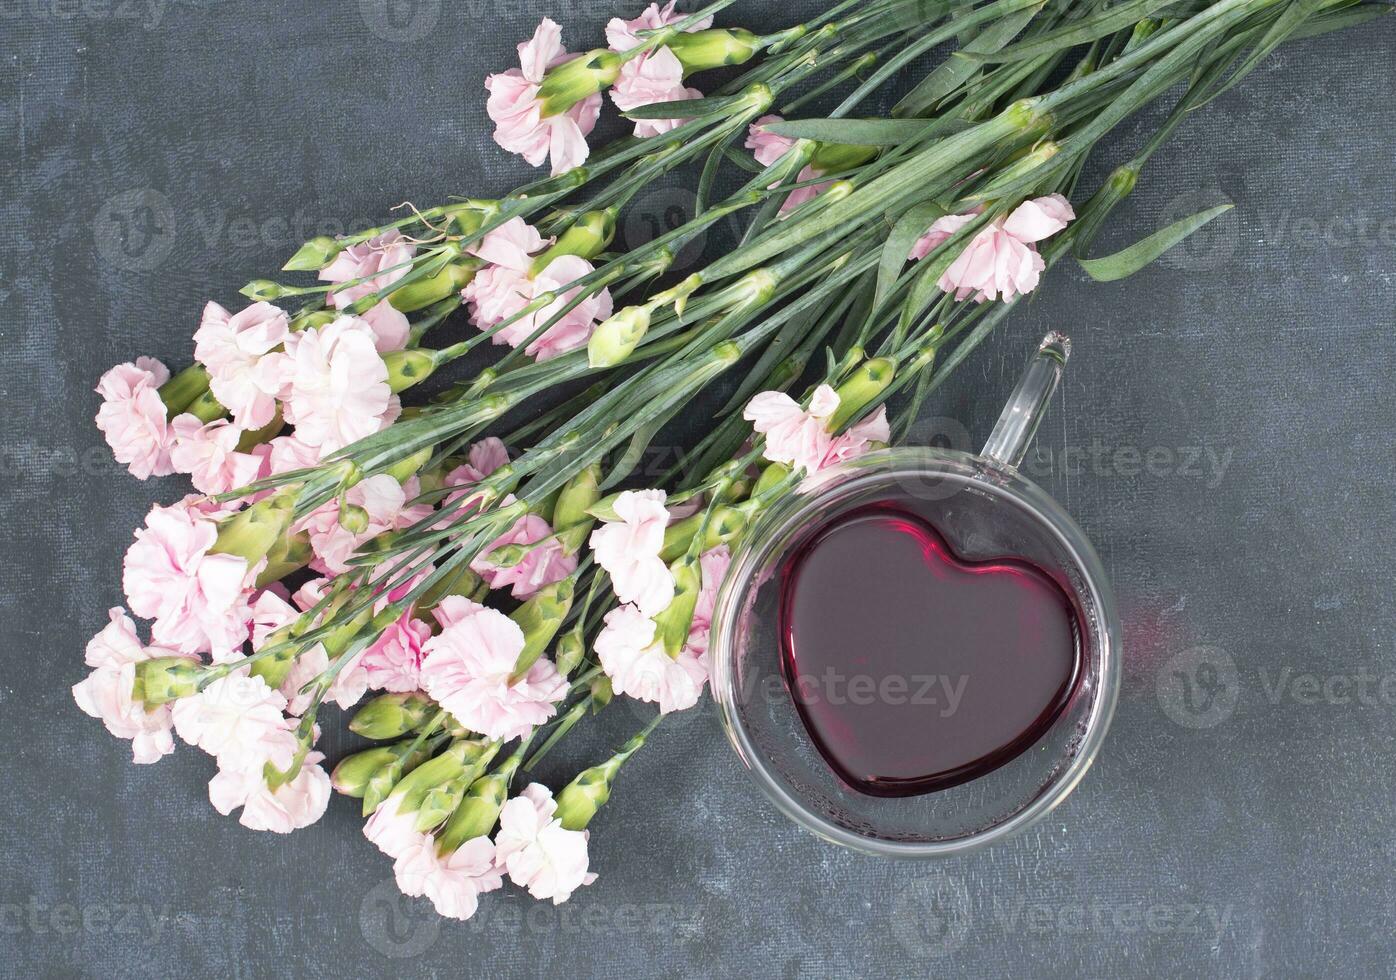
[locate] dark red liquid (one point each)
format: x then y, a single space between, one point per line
912 669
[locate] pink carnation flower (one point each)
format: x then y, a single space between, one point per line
941 229
454 882
628 549
795 436
714 564
375 262
651 78
537 851
105 693
856 439
482 459
287 453
467 666
133 418
384 500
270 613
621 34
394 661
337 385
519 125
238 720
1000 261
208 453
540 567
244 365
199 601
638 665
392 832
768 147
504 287
298 803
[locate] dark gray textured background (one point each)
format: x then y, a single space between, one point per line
1225 435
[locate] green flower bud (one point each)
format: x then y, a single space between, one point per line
831 158
578 494
701 50
351 777
572 81
467 217
601 692
571 648
183 388
421 293
757 287
616 338
477 812
314 254
164 679
574 537
253 532
290 553
1030 161
253 438
674 621
353 518
356 773
206 408
440 802
589 791
678 295
259 290
434 772
277 654
772 476
313 320
462 581
407 367
540 618
392 715
678 535
868 381
586 238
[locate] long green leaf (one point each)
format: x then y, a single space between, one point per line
1343 19
954 70
861 132
683 108
1098 25
1286 24
908 228
1130 260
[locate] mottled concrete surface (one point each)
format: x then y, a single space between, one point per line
1225 435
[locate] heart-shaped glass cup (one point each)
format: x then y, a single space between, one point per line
985 509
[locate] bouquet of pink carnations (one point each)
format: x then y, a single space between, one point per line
482 562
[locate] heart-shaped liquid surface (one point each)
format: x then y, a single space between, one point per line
912 669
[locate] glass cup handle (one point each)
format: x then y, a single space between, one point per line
1008 443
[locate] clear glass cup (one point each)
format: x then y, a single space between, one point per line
985 509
